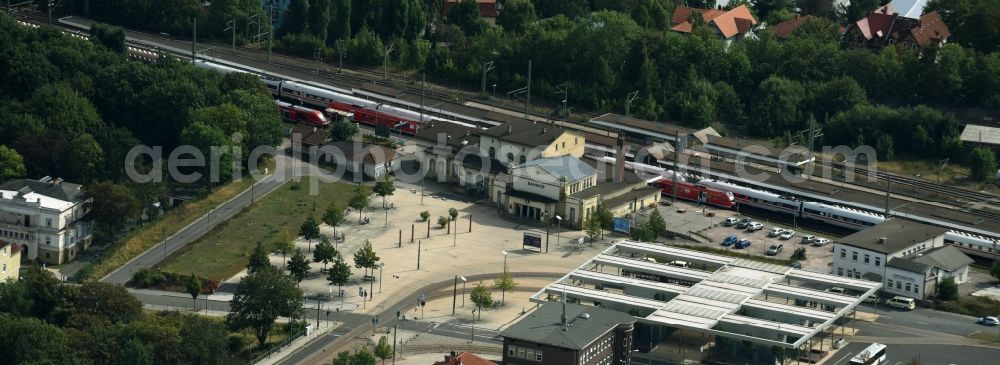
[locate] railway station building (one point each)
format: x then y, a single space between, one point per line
909 258
693 305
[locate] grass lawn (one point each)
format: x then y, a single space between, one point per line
140 240
223 252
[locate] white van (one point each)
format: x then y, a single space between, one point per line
901 303
680 263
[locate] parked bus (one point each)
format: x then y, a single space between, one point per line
873 355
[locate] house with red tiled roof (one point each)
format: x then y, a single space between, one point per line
784 29
729 25
489 10
885 27
465 358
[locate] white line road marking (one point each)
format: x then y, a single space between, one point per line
842 358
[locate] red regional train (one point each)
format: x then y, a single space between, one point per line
297 114
697 192
365 111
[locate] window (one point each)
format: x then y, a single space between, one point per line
493 152
890 283
899 285
907 286
564 144
520 352
4 267
531 354
48 240
840 271
48 222
854 255
857 275
538 356
916 288
511 351
510 157
878 261
843 253
867 257
522 159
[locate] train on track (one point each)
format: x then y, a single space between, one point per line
301 114
341 102
729 195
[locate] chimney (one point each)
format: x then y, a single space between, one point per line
881 240
619 172
562 318
57 181
544 130
510 129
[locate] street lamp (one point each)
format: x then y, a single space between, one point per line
380 266
503 292
493 101
558 228
548 227
464 280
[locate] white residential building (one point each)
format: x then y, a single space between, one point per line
908 257
45 218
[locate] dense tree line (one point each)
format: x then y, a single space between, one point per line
44 322
74 109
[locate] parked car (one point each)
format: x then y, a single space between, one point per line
775 232
754 227
679 263
743 222
837 290
807 239
819 242
901 303
988 321
743 243
775 249
730 240
731 221
873 299
795 265
787 235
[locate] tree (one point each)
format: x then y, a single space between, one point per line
296 18
206 137
970 22
655 224
948 289
339 274
858 9
258 259
504 283
309 229
453 213
203 341
334 216
466 15
443 221
137 352
384 188
109 301
776 106
517 15
193 286
360 199
362 357
799 254
641 232
25 340
263 122
995 270
298 267
383 350
340 26
424 216
605 217
982 164
481 297
109 36
284 246
113 206
319 18
260 299
343 130
592 225
11 164
85 158
366 257
324 252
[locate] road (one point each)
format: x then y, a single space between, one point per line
192 232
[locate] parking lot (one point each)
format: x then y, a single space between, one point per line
713 228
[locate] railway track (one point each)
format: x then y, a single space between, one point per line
972 196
